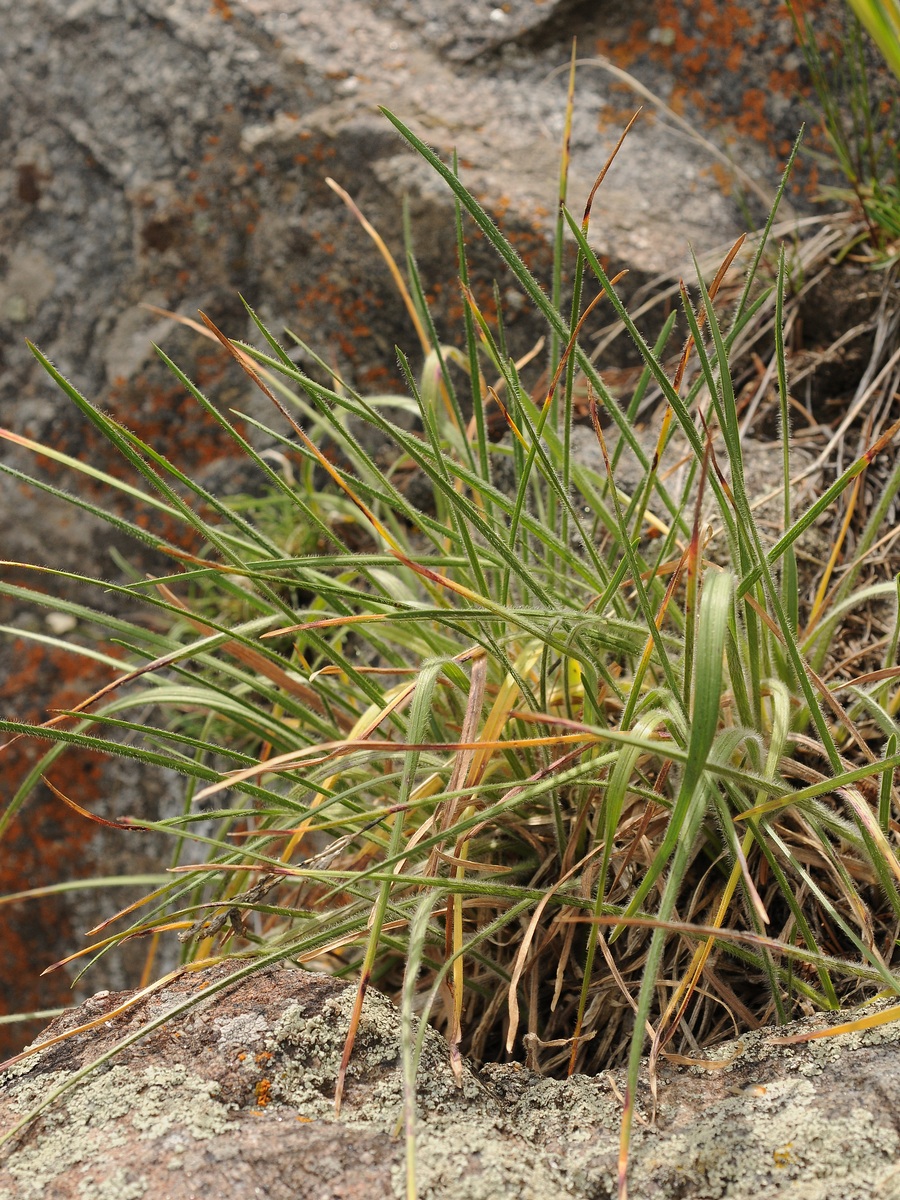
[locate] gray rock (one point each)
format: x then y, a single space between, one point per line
236 1094
174 152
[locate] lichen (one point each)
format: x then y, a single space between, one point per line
374 1090
117 1186
468 1161
777 1138
765 1128
811 1057
239 1030
96 1116
566 1110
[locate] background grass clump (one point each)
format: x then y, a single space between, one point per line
857 113
538 742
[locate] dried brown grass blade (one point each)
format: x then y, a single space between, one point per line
83 812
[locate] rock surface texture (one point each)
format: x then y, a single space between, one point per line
233 1097
175 152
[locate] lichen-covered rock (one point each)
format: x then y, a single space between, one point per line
174 152
233 1096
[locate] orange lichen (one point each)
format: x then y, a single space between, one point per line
47 842
733 58
630 49
376 377
752 121
784 83
723 178
699 42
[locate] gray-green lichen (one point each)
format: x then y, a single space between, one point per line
117 1186
466 1160
772 1141
104 1112
242 1030
762 1045
571 1110
374 1088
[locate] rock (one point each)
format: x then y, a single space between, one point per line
174 153
233 1096
461 30
763 470
50 843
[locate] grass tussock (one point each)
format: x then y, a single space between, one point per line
548 754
